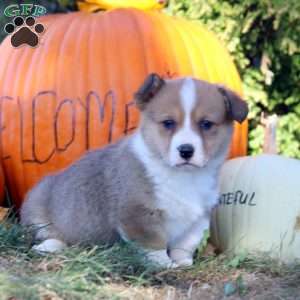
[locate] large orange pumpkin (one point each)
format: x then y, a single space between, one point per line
74 91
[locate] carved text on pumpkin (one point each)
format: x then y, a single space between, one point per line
93 109
237 197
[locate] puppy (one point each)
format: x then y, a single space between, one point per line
156 187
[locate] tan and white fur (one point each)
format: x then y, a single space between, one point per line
156 187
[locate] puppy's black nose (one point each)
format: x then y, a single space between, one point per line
186 151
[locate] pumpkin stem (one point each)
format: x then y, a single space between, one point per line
96 5
270 126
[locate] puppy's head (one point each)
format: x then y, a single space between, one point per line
187 122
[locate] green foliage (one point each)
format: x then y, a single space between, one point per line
237 260
263 37
204 242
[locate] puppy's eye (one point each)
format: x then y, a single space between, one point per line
169 124
205 124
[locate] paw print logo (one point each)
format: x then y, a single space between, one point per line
24 32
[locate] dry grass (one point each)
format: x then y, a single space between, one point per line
120 272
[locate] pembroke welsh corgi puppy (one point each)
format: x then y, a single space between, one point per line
156 187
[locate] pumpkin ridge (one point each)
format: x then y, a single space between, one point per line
198 45
136 19
184 37
57 50
25 60
121 65
168 37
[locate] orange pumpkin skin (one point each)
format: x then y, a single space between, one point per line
74 91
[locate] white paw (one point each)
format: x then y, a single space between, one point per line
186 262
172 265
181 264
160 258
49 246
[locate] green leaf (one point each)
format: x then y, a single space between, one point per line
204 242
236 261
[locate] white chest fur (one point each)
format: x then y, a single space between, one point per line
184 196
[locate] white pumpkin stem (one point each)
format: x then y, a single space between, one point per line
270 125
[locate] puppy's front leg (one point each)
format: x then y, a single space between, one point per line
181 250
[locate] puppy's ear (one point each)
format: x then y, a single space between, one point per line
236 107
148 89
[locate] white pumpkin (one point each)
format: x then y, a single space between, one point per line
259 206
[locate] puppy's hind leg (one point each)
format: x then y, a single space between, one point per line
36 218
51 240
